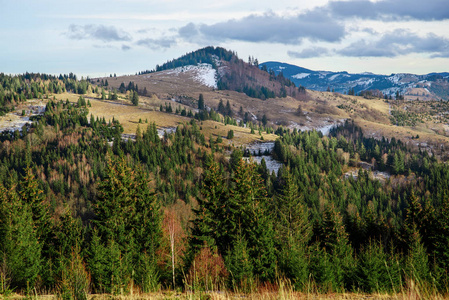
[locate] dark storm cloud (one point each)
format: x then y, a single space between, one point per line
97 32
398 42
270 28
156 44
309 52
391 9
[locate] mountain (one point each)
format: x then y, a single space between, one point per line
274 93
431 86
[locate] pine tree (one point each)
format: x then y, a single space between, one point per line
335 240
221 108
372 274
20 245
238 263
442 237
293 223
201 102
417 262
249 211
75 280
97 262
135 98
209 223
292 230
32 195
128 220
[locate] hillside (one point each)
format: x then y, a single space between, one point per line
434 86
309 109
147 186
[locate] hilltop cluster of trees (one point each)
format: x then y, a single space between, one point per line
208 55
19 88
244 78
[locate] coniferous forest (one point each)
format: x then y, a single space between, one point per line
84 211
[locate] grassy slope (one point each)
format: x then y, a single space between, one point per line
148 109
318 109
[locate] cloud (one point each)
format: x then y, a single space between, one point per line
97 32
309 52
126 47
270 28
363 49
391 9
156 44
188 31
399 42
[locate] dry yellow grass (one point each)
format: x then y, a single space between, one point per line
320 109
129 115
278 295
242 136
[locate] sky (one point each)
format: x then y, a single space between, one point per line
98 38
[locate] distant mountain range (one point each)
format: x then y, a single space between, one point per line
426 87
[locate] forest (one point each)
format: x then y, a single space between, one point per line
84 211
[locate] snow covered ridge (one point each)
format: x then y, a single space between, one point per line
203 73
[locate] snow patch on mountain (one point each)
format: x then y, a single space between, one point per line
364 81
202 73
333 77
395 78
301 75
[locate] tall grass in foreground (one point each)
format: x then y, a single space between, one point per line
281 290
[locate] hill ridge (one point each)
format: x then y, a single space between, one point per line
434 85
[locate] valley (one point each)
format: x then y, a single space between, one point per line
165 181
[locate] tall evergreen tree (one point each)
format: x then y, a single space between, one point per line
292 230
31 194
135 98
201 102
20 247
128 220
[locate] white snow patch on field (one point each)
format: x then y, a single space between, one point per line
15 121
202 73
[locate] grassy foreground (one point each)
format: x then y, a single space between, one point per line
279 295
282 290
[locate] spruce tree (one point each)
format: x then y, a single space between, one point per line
20 245
128 222
335 240
248 205
293 231
135 98
31 194
238 263
372 274
201 102
417 262
209 225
